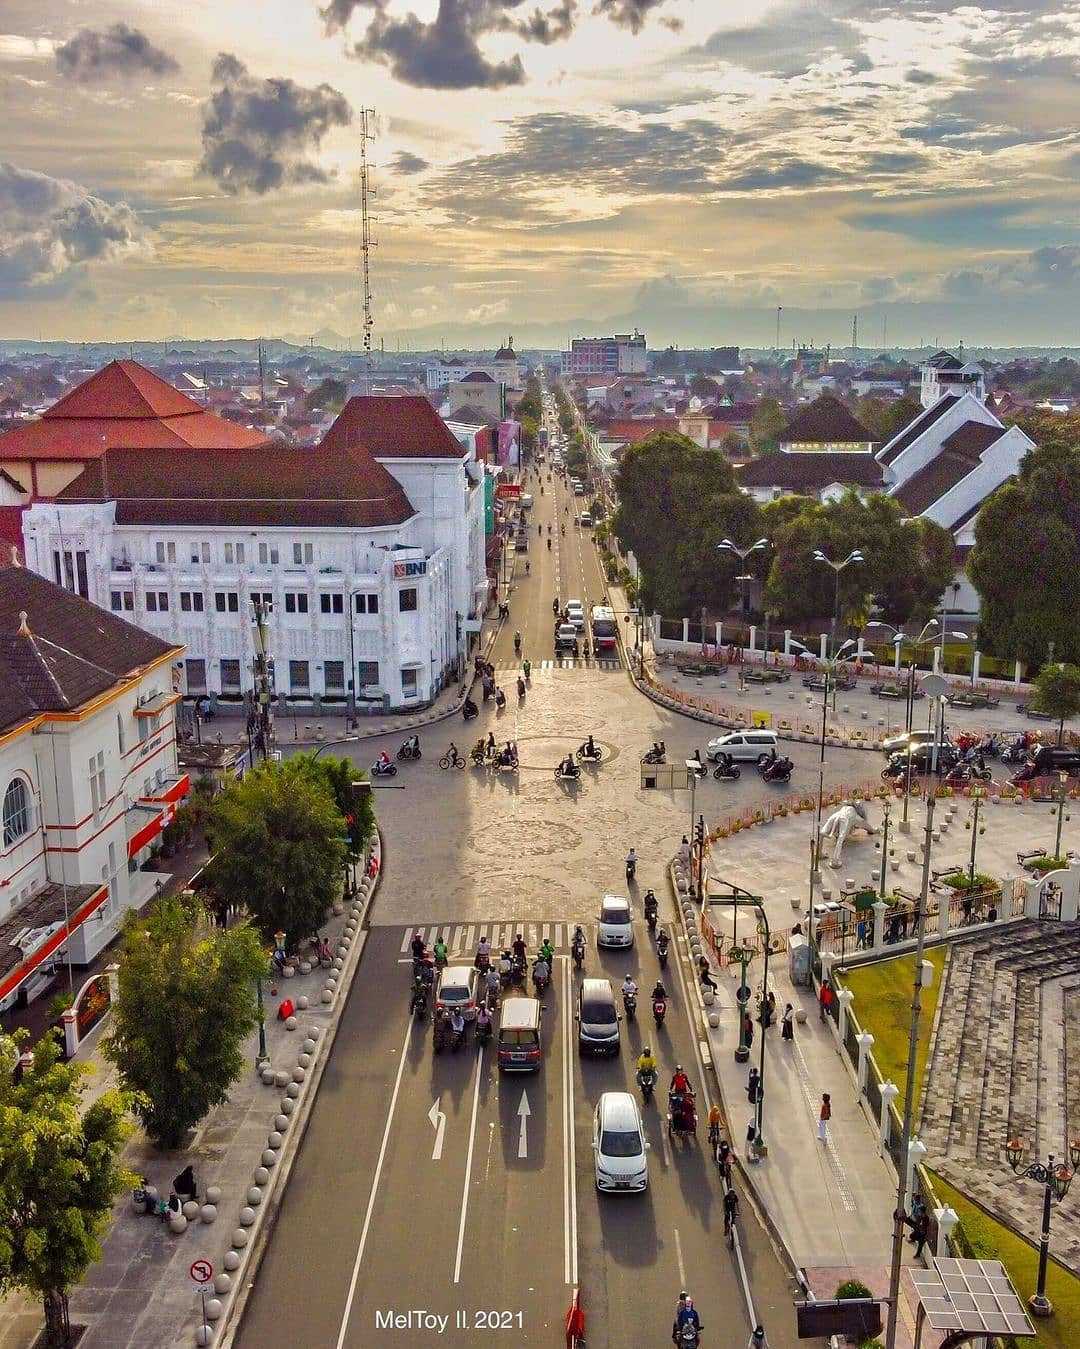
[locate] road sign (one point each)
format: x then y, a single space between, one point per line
761 720
202 1271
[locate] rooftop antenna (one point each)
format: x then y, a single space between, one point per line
367 243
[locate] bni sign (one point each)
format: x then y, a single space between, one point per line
402 569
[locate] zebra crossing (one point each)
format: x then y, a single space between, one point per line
563 663
462 939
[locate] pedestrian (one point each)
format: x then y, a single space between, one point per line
684 850
753 1085
787 1023
920 1229
758 1339
824 1115
748 1029
707 981
860 932
825 999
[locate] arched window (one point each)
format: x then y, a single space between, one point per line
16 811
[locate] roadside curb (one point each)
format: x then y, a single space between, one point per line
244 1276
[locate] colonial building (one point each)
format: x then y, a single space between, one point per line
945 373
122 406
502 368
368 552
88 775
824 451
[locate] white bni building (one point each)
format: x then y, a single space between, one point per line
367 550
88 775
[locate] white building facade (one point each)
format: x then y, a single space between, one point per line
623 354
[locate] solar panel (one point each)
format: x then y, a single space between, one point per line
971 1295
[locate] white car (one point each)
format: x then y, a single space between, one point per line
619 1144
616 922
457 990
575 613
744 746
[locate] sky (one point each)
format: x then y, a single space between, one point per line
542 169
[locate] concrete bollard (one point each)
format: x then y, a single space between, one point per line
240 1238
208 1213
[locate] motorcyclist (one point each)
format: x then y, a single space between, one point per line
646 1063
629 988
631 862
412 743
491 985
725 761
417 946
457 1022
506 965
500 698
549 545
555 605
383 761
519 948
590 747
489 745
689 1315
483 953
547 952
659 991
650 903
526 569
541 971
483 1021
568 768
439 951
680 1083
577 941
526 665
662 942
517 640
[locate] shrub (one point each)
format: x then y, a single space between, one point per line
852 1288
959 881
1044 864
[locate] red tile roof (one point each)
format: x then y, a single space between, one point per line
634 429
270 486
124 406
392 428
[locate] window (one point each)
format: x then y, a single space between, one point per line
191 601
408 683
165 552
200 552
332 604
97 781
122 601
120 731
157 601
334 674
296 602
196 675
406 601
267 599
367 672
303 553
298 675
268 554
16 811
367 604
226 601
69 571
230 676
234 552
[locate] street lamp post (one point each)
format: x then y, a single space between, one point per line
263 1057
1055 1181
260 636
884 848
1061 816
853 557
726 545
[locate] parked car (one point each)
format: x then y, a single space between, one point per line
1057 759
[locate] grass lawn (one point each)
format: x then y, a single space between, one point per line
1060 1331
883 1007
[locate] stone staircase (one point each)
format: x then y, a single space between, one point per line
1006 1063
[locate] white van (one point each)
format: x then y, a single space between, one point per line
585 520
744 746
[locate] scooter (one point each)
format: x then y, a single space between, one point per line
566 774
418 1001
647 1083
724 769
578 952
469 709
629 1001
590 756
659 1011
631 870
483 1032
383 770
655 755
662 949
695 766
540 983
409 751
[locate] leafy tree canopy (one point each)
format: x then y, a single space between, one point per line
766 423
328 395
340 774
280 841
187 1004
1057 691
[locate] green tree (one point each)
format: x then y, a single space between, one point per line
186 1006
280 840
766 423
734 445
1027 556
1057 692
59 1177
899 414
676 502
341 774
327 396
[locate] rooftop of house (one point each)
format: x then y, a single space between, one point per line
811 472
892 449
827 421
124 404
393 428
274 486
58 651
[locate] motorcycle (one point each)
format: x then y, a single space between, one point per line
968 771
777 770
418 1001
725 769
629 1001
520 688
578 952
682 1114
540 983
1018 750
662 949
689 1337
656 755
1026 774
647 1083
469 709
591 756
440 1033
383 770
631 870
409 750
457 1039
695 766
565 774
650 919
500 699
501 761
659 1011
483 1032
517 643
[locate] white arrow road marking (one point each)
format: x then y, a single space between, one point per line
523 1134
438 1123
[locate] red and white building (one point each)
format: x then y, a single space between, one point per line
88 775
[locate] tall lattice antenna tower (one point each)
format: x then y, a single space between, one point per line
367 193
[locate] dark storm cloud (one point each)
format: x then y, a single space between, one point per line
50 226
794 173
553 26
256 133
405 162
92 55
630 14
574 151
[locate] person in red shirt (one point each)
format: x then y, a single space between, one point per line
825 1000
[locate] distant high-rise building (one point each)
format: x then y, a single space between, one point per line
623 354
945 373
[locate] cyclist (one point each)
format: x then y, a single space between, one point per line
731 1210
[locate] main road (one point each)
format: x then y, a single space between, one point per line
431 1184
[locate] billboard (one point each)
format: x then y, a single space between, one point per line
509 444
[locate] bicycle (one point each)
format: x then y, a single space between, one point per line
452 758
730 1214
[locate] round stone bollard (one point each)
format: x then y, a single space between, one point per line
339 964
331 980
343 950
287 1106
269 1157
204 1335
274 1140
298 1074
177 1223
261 1175
714 1019
339 908
312 1032
191 1209
308 1047
302 1002
222 1283
800 1017
288 972
290 1023
269 1077
305 967
281 1123
231 1260
247 1216
208 1213
240 1238
304 1061
327 995
254 1196
213 1309
213 1194
281 1077
293 1090
708 996
350 927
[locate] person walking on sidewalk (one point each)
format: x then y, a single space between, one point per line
920 1228
824 1115
825 999
787 1023
758 1339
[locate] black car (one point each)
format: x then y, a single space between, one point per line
922 758
1049 759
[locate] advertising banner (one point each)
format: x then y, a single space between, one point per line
509 444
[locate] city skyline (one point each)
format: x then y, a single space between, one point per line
914 164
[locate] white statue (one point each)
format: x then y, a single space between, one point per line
839 825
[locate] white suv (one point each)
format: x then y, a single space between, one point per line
744 746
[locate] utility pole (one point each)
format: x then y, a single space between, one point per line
367 243
854 332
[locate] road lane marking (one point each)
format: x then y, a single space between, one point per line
438 1123
468 1166
570 1263
678 1259
351 1295
523 1132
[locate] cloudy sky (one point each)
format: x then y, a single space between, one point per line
544 168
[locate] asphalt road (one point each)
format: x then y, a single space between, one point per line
371 1221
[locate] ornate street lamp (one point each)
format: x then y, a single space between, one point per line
726 545
854 556
1055 1181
